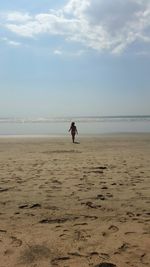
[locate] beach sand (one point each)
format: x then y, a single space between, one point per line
69 205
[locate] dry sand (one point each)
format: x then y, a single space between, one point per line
69 205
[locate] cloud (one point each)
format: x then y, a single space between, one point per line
17 17
66 53
57 52
14 43
98 24
10 42
51 23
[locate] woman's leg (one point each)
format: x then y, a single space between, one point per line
73 137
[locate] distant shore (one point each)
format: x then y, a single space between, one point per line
85 125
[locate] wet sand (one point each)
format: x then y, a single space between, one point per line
69 205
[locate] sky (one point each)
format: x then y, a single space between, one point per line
74 58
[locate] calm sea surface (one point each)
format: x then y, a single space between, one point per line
85 125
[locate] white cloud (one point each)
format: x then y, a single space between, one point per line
73 53
77 7
18 16
57 52
27 30
10 42
15 16
99 24
14 43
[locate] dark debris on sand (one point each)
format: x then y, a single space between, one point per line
105 264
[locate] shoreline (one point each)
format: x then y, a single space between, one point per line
61 136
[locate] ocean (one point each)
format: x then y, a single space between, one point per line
86 125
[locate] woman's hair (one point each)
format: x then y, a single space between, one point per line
72 124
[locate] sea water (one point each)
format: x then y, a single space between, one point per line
85 125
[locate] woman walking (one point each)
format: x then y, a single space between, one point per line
73 130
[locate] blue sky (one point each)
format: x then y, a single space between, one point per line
73 57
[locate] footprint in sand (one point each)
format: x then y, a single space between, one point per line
104 187
145 259
23 206
3 231
104 256
122 248
130 214
129 233
92 205
8 252
59 259
100 196
3 189
34 253
56 181
36 205
15 242
81 235
112 229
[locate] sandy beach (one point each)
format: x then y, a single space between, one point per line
75 205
